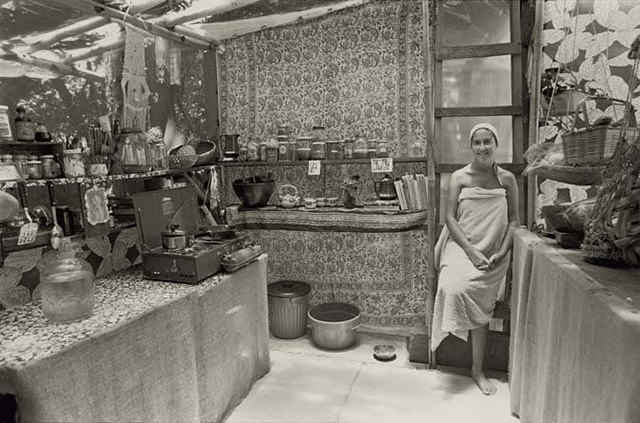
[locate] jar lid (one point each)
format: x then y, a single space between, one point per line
20 157
34 162
288 289
47 156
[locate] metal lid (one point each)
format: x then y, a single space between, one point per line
288 289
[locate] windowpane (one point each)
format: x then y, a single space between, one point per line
484 81
454 138
475 22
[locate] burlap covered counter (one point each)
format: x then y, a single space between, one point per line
575 337
151 351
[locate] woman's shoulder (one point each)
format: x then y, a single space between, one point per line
506 177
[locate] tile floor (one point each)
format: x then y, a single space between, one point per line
307 384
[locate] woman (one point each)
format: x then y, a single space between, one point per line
473 251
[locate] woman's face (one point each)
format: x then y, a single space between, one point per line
483 145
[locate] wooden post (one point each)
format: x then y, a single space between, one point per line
212 110
429 116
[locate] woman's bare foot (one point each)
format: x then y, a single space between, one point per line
486 387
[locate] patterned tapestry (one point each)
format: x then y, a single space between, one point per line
356 72
591 38
382 273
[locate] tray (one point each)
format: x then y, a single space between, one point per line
238 259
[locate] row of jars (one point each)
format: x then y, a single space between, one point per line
34 166
288 148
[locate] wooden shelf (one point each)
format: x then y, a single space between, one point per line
109 178
324 162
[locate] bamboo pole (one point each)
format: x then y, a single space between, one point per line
429 116
45 40
115 43
232 29
55 67
534 112
199 10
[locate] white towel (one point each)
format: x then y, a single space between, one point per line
466 296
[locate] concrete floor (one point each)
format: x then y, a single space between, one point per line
307 384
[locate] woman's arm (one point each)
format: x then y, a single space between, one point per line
477 258
511 186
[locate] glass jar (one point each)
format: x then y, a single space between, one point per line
73 163
42 134
318 150
25 129
283 148
20 161
372 148
360 148
262 151
335 150
34 168
6 159
272 150
47 166
303 147
134 159
5 126
383 148
67 285
348 148
253 155
159 160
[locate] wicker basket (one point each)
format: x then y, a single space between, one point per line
576 175
593 145
602 255
182 162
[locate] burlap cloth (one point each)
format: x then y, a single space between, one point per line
151 351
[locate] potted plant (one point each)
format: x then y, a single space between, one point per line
560 95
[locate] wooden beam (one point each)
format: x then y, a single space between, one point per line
58 68
478 111
212 111
232 29
44 40
200 9
465 52
114 43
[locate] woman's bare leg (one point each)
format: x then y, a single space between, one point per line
478 344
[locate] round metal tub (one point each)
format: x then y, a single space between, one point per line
333 324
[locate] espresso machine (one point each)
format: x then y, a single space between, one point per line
175 246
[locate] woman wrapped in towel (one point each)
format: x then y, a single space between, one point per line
473 251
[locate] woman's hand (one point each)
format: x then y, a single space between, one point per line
495 258
478 259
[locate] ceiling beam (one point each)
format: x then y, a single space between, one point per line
55 67
201 9
107 44
232 29
47 39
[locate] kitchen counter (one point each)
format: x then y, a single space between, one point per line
575 336
151 351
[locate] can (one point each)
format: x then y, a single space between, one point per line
288 305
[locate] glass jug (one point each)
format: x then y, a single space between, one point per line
67 285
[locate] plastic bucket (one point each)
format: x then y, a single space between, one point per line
333 325
288 304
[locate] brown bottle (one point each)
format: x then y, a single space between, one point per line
25 129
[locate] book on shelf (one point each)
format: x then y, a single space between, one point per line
413 192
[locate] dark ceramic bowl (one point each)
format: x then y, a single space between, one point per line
253 194
207 152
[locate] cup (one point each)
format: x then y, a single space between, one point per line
322 201
332 201
310 203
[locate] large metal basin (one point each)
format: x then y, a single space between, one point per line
333 325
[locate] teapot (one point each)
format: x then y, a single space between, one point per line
288 199
385 188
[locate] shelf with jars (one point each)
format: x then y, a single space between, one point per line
324 162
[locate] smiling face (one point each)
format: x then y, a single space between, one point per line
483 145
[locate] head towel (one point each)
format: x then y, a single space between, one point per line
486 126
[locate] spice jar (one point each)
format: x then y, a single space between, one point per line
262 151
283 148
20 161
334 150
74 165
272 150
372 148
5 126
383 148
318 150
303 148
360 148
47 166
348 148
34 168
67 285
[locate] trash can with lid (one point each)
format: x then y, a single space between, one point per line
288 304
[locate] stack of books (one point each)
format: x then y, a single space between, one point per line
412 192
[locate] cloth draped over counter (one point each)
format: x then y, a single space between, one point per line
575 337
151 351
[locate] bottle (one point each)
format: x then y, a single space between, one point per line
67 285
42 134
25 130
5 128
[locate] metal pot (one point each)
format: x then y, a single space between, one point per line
385 188
333 325
174 239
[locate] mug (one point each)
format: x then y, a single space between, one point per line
322 201
310 203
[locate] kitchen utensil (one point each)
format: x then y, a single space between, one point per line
333 325
385 188
29 231
289 197
253 193
56 230
207 152
384 352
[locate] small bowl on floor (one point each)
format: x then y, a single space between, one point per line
384 352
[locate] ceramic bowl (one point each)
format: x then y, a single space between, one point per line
332 201
322 201
384 352
310 203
